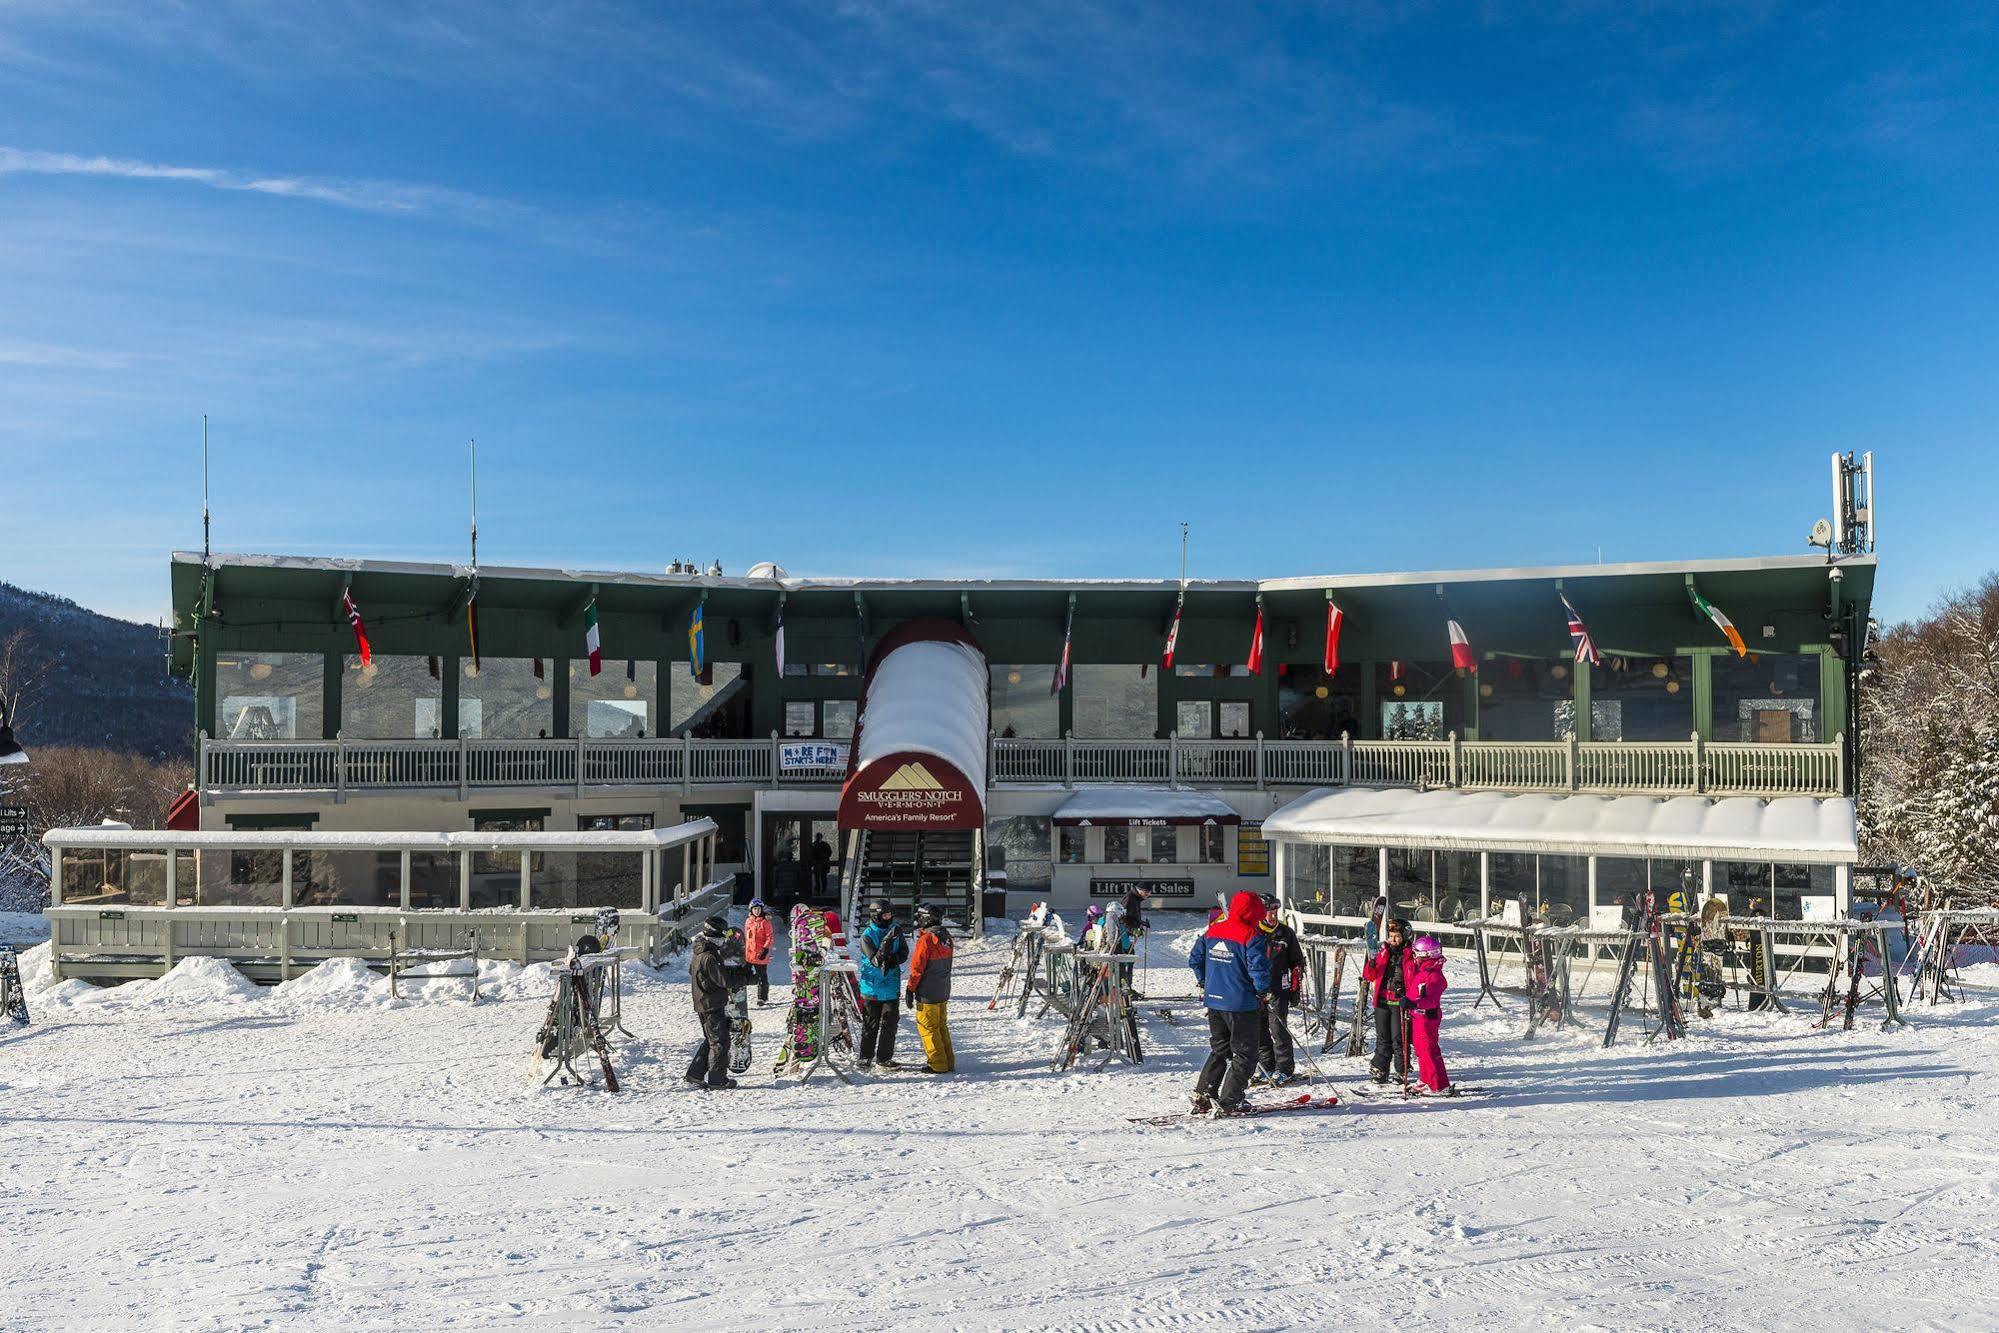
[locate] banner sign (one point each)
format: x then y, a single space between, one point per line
1158 888
797 756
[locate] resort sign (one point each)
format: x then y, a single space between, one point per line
910 790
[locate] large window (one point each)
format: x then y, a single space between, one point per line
1018 844
1305 874
1419 701
1214 845
1642 699
706 710
1232 719
1318 707
1194 719
347 879
1520 700
1356 873
568 880
1409 883
502 700
836 718
1165 845
1771 697
99 876
392 698
1114 702
1022 703
1117 846
801 717
616 703
1804 893
434 879
269 696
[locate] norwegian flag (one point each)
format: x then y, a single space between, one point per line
360 631
1172 638
1062 667
1256 644
1579 633
1335 618
1461 653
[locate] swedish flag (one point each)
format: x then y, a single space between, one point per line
697 643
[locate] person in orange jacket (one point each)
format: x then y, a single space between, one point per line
929 990
758 936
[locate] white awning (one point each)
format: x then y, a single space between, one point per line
1142 807
1729 828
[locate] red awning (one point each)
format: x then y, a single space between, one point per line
185 813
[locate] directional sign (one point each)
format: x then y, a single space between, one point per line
13 821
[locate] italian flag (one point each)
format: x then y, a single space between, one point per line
1721 622
591 642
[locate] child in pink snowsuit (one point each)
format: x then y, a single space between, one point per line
1424 984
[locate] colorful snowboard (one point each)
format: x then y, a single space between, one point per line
807 954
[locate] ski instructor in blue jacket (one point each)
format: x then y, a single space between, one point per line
1233 966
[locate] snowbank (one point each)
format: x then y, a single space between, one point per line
337 983
194 981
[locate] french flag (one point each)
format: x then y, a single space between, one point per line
1461 654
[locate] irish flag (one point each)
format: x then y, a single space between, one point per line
1721 622
591 642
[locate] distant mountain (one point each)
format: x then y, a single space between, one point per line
108 686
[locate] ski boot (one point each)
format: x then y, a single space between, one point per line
1202 1104
1223 1110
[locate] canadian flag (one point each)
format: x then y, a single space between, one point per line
1334 619
1172 641
360 632
1256 645
1461 654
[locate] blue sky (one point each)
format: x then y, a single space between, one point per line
884 288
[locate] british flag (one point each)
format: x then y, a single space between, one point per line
1579 633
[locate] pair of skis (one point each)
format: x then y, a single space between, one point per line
1304 1102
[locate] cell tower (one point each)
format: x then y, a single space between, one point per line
1850 530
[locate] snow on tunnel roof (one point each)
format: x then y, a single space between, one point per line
929 696
1149 805
1793 828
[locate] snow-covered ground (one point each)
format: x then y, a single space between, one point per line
196 1153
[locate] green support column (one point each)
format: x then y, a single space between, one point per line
1471 707
1582 684
1832 695
447 725
1065 706
1168 708
204 686
1268 715
1704 695
333 673
559 687
662 680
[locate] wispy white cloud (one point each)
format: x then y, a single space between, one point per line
370 196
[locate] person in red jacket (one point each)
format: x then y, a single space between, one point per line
758 936
1387 970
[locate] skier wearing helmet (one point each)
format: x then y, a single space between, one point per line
1425 985
884 949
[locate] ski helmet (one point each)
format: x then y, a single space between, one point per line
926 915
716 927
1427 947
1399 923
1096 910
881 909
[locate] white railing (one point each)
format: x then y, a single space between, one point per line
1651 767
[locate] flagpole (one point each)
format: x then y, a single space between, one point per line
472 447
1183 559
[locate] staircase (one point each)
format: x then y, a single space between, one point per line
906 868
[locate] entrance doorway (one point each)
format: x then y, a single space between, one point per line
790 872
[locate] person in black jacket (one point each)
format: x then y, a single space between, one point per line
1275 1056
822 865
715 967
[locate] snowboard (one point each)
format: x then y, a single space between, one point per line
13 996
1306 1102
801 1045
739 1030
836 937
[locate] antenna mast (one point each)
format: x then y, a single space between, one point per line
204 489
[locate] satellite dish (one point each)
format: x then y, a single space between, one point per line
1822 532
767 570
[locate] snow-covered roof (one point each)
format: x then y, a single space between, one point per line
928 696
393 840
1791 828
1144 805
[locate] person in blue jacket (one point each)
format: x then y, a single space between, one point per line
884 949
1233 967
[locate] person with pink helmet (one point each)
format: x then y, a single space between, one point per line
1424 985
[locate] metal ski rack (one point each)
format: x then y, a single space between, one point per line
1932 965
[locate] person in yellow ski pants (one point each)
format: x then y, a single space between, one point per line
929 990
